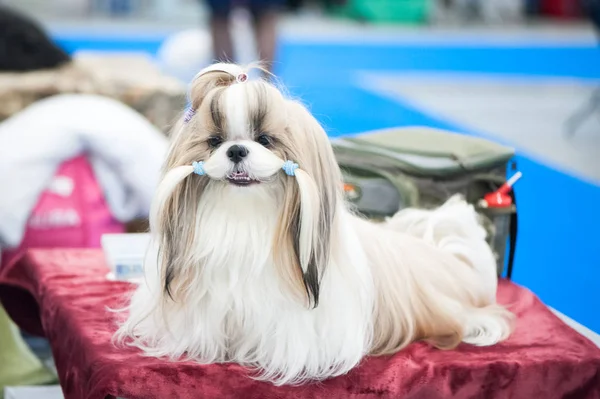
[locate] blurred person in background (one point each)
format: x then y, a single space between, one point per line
592 8
50 132
265 14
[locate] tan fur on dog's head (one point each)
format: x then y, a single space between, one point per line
301 243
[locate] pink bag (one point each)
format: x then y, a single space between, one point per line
71 212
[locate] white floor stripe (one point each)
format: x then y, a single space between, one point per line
581 329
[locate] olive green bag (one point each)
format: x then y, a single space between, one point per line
388 170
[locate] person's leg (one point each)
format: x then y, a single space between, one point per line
266 15
266 36
592 8
220 30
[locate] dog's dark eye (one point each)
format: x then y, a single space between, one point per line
264 140
214 141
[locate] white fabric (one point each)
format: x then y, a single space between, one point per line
125 150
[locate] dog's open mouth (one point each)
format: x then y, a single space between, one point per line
241 179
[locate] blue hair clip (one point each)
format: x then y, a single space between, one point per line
199 168
189 114
289 167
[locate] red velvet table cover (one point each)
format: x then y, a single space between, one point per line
64 295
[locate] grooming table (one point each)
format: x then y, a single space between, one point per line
63 295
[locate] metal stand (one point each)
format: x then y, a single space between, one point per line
591 107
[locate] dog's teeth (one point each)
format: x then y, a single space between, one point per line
239 177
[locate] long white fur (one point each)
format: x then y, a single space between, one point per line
164 190
454 227
237 117
373 288
309 198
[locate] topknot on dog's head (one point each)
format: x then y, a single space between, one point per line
219 75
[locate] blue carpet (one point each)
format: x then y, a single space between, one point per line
559 215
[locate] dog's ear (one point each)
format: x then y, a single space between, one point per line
308 215
172 224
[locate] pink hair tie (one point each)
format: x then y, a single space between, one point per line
241 78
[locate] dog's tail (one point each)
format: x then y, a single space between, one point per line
455 228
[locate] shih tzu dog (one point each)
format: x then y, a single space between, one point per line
256 258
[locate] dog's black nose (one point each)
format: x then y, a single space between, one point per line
236 153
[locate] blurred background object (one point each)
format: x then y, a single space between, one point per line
264 15
592 106
510 71
96 164
130 78
18 363
382 11
25 46
34 67
185 53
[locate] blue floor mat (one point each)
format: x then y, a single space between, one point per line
558 229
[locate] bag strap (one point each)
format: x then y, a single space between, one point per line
512 239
